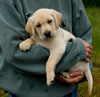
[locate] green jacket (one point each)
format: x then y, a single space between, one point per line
23 73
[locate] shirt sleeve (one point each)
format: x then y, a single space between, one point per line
81 28
12 32
81 25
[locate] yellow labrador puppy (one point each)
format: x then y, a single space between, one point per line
44 28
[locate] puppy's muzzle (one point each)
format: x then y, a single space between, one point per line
47 34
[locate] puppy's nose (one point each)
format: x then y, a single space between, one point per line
47 34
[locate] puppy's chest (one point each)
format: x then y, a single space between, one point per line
52 44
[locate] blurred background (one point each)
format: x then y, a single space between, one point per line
93 12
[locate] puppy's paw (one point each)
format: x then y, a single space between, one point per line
24 45
50 78
65 74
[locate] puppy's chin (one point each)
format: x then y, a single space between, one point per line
46 38
50 38
42 37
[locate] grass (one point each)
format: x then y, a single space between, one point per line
94 16
83 87
2 94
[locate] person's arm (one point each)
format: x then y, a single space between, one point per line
12 32
81 25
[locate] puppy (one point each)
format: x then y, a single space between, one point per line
44 28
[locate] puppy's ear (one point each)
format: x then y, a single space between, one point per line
30 27
57 16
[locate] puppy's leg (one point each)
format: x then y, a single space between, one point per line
54 58
26 44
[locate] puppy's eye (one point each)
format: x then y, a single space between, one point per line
49 21
38 25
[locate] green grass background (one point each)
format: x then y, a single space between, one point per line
94 16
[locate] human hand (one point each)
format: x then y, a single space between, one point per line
75 77
88 50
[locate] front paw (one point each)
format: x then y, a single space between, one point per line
50 78
24 46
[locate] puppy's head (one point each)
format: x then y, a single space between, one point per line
44 23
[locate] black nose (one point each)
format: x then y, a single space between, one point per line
47 34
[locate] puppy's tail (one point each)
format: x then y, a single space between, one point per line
90 81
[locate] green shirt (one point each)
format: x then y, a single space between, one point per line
23 73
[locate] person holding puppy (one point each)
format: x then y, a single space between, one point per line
23 74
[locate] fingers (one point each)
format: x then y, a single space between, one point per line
88 45
87 60
69 80
88 54
75 77
88 50
75 80
75 74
